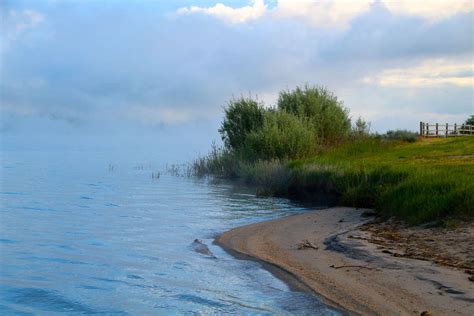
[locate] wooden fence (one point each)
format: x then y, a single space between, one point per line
445 130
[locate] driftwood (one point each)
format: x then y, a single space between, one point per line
305 244
349 266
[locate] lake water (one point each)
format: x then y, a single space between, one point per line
81 237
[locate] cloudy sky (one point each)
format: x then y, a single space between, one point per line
161 71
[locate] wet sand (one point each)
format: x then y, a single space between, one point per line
333 252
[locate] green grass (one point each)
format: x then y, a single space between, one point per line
424 181
430 180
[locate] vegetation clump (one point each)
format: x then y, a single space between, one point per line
242 116
302 122
404 135
470 120
283 136
304 147
321 109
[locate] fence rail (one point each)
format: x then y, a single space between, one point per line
445 130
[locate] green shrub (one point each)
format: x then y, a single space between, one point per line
242 116
361 128
330 119
403 135
283 136
470 120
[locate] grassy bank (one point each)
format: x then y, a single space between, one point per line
427 180
305 147
423 181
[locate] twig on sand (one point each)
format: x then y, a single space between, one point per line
306 244
349 266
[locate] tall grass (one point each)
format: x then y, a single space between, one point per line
219 162
269 177
418 182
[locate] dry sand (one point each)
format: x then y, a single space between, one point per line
331 252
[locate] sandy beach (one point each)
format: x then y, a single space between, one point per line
366 268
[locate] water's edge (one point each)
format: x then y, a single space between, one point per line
293 281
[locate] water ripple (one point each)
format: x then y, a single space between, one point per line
77 239
46 300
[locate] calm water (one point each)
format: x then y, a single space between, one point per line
77 237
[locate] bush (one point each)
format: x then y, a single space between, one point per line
303 120
242 116
283 136
470 121
330 119
403 135
361 128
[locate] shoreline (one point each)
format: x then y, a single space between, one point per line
293 281
347 271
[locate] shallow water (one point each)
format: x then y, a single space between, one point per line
78 236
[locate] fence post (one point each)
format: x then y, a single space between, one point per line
446 131
421 128
427 129
455 129
437 130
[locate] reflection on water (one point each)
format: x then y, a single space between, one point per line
80 237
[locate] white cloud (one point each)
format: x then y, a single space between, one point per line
240 15
317 13
323 13
339 13
429 73
331 13
429 9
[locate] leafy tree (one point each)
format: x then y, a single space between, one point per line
242 116
320 108
283 136
361 128
470 121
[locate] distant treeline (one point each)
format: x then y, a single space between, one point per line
306 147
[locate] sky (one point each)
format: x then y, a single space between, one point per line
157 74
